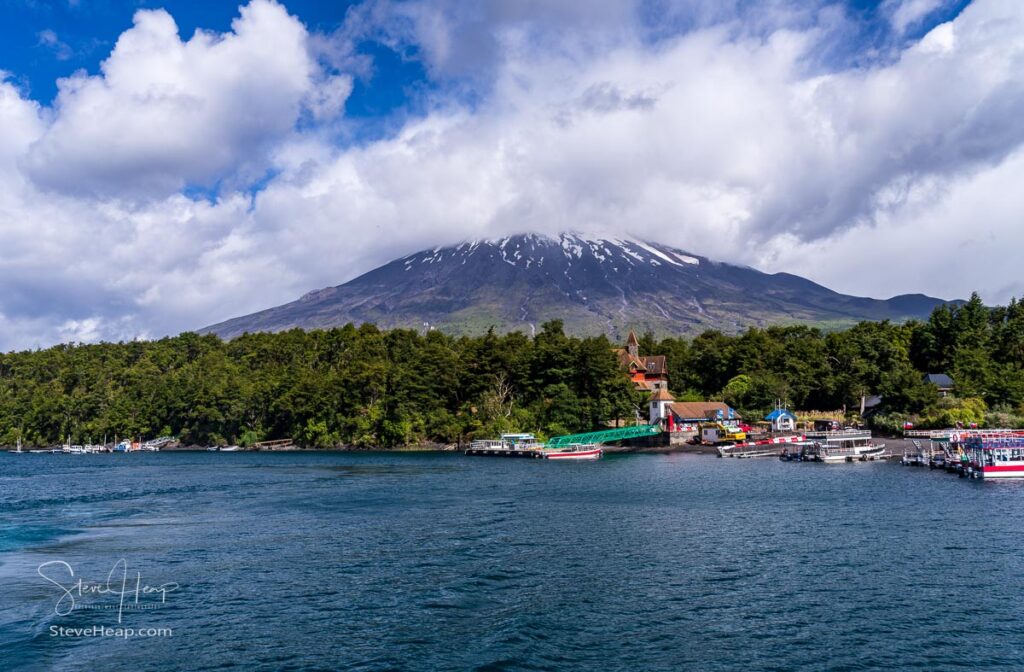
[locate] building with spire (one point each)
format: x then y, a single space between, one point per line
648 373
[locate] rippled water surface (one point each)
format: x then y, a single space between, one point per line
439 561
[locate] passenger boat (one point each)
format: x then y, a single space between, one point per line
527 445
845 445
580 451
509 445
994 454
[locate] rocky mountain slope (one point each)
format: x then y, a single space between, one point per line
594 284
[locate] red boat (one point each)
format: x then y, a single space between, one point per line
994 453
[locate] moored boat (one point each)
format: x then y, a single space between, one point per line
915 457
994 454
509 445
582 451
846 445
527 445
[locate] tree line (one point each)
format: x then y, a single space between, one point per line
360 386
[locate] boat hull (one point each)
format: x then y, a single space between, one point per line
575 455
1001 471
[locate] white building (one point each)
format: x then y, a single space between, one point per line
660 402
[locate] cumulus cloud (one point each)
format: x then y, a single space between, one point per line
166 113
711 126
716 141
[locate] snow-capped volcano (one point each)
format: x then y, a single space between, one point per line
527 249
594 284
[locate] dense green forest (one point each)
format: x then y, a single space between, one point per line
359 386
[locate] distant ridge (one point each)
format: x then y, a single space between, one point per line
594 284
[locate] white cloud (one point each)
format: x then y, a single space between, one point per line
904 14
166 113
715 141
728 139
61 50
947 238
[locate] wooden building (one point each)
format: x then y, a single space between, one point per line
648 373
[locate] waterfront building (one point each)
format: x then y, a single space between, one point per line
692 412
660 402
782 420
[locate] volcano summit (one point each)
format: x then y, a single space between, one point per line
594 284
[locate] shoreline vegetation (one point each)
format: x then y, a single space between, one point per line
363 388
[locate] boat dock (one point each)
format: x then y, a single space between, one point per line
772 447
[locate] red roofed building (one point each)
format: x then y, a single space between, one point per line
647 373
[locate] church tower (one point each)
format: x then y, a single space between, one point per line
633 344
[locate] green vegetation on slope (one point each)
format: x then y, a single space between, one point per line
366 387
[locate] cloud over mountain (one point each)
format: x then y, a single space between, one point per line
191 179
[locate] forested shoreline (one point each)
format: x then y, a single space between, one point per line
363 387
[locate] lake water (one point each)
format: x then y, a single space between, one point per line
412 561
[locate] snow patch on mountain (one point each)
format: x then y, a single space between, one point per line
530 249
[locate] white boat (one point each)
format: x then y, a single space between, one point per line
17 448
230 449
577 451
509 445
916 457
154 445
845 445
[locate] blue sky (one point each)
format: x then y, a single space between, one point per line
868 146
84 31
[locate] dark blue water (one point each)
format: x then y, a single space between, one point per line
436 561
